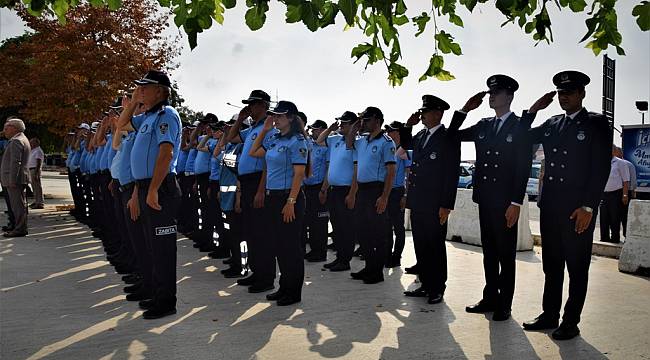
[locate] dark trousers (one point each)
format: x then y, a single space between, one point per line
87 192
213 221
430 249
499 245
233 238
160 235
205 236
372 227
108 221
624 211
315 222
343 223
188 210
396 217
136 232
10 214
561 245
287 241
261 253
611 207
126 251
75 191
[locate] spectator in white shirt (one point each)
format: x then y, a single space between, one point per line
631 193
35 165
615 197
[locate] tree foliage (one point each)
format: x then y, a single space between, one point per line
381 20
70 67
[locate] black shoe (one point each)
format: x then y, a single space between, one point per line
132 289
413 270
14 233
501 315
419 292
359 275
340 267
317 258
146 304
393 263
331 264
36 206
231 273
131 278
137 297
357 252
480 307
287 300
154 313
246 281
258 288
566 332
228 261
373 279
274 296
540 323
331 246
7 228
435 298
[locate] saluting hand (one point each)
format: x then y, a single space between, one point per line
443 214
543 102
512 215
152 200
268 123
244 113
582 218
356 126
474 102
413 119
333 126
288 213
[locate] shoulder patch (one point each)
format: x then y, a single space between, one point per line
387 138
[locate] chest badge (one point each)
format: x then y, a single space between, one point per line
254 136
144 128
282 149
433 155
547 133
481 136
509 138
337 144
374 149
581 135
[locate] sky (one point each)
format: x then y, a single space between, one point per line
315 71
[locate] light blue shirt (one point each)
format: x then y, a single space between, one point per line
400 169
76 157
341 161
124 170
215 163
191 156
108 154
203 159
182 160
247 163
115 165
154 128
282 153
93 159
372 157
317 162
83 161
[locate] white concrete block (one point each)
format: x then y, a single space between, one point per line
635 256
464 222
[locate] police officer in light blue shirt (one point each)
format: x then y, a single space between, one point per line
316 213
286 156
204 237
340 189
153 165
252 182
397 199
375 174
190 201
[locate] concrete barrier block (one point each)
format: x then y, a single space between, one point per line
635 255
464 222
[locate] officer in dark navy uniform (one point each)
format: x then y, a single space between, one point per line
503 161
577 151
153 163
431 195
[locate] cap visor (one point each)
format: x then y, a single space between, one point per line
145 82
277 112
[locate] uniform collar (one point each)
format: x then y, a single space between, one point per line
159 106
573 116
433 129
380 134
504 117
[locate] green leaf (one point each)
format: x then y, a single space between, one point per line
37 5
400 8
256 16
421 22
436 64
293 13
330 10
456 20
309 14
181 15
60 8
593 45
229 4
469 4
446 44
114 4
396 74
218 11
642 13
349 10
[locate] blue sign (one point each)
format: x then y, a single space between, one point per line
636 149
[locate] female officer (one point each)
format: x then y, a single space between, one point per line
286 161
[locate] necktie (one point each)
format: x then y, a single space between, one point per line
426 138
563 123
495 129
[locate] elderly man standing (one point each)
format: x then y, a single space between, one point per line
14 173
35 165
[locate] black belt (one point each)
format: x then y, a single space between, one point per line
314 187
279 192
146 182
127 187
340 187
371 185
251 176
